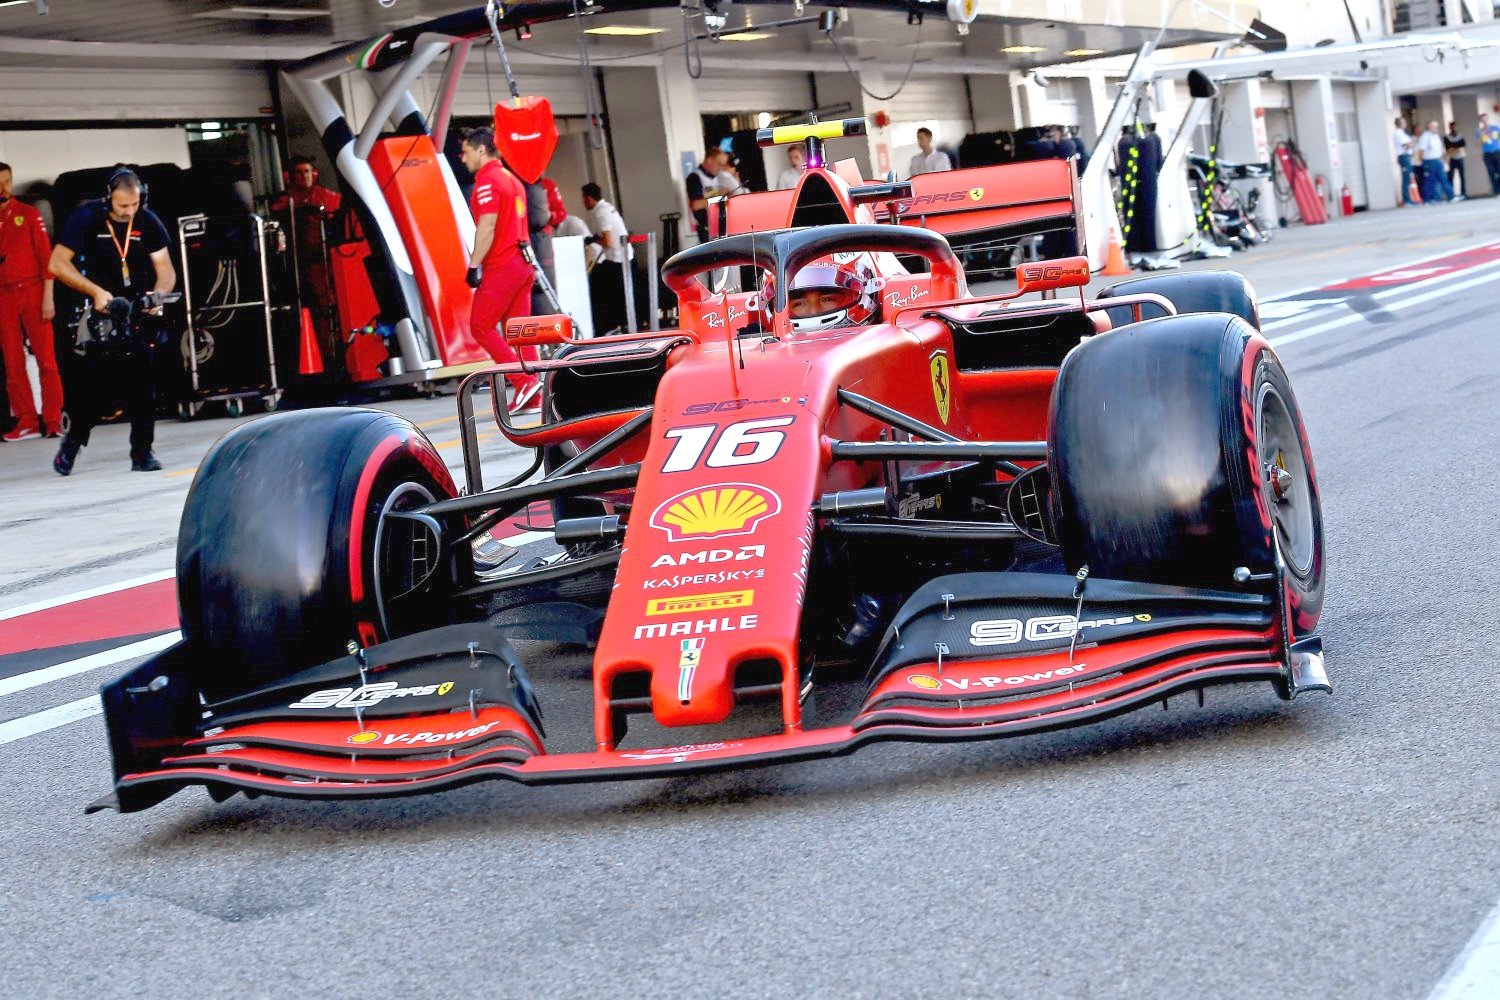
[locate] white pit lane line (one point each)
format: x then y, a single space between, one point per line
83 595
82 665
1442 290
52 718
1475 974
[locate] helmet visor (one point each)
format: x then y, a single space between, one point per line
819 289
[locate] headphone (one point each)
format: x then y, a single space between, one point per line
297 161
117 178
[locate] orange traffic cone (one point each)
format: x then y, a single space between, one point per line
310 356
1114 264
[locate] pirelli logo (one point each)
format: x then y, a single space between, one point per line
700 603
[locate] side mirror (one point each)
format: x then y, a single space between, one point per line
1045 275
536 331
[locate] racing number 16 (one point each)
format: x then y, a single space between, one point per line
748 442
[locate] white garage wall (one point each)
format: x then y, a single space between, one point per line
42 154
938 103
564 90
941 97
36 94
728 92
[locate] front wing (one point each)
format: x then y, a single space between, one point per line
453 706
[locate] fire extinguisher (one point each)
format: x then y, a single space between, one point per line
1321 186
1347 197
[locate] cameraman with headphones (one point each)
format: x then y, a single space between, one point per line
113 248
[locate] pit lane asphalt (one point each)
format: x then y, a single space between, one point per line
1342 846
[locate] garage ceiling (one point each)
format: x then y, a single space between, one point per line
290 29
257 22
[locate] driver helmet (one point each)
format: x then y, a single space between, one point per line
837 291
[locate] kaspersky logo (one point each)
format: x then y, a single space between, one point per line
715 511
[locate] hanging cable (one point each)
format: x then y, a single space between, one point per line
590 99
492 13
572 57
692 51
489 94
916 49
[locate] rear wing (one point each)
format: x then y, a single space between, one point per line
983 211
1021 198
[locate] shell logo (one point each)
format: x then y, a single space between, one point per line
368 736
715 511
925 682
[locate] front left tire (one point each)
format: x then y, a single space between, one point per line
286 554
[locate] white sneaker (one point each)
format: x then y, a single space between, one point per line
526 400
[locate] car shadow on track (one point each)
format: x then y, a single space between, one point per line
1252 726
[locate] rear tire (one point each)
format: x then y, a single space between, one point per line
277 564
1178 454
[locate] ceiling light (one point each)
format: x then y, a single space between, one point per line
1024 50
622 30
247 12
746 36
1084 52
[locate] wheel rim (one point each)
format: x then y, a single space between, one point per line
399 557
1285 481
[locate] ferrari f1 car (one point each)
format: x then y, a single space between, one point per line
848 503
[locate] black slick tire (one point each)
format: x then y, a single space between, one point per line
1178 454
276 556
1189 292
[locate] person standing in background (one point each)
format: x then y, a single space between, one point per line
1434 171
1454 144
788 178
26 312
574 225
929 160
311 207
607 281
498 271
113 248
1489 144
705 183
1404 144
539 231
1073 146
557 209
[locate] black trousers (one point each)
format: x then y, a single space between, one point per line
1492 167
1457 177
607 296
94 382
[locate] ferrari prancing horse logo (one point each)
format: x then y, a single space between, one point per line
942 384
976 193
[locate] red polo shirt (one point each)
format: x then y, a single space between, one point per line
497 192
24 247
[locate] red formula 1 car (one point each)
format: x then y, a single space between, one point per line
849 503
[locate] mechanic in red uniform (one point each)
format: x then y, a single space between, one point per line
313 207
498 272
26 312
